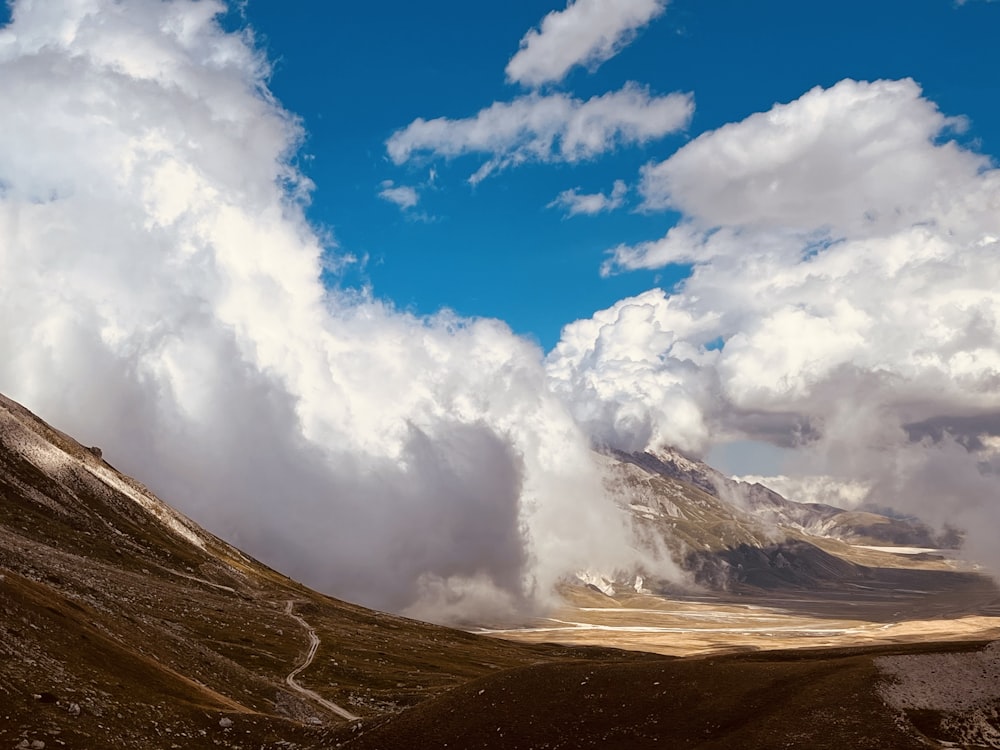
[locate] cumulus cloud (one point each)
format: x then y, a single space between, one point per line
404 196
587 32
786 168
574 202
161 297
550 128
631 375
843 302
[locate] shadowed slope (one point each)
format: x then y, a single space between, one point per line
825 700
131 622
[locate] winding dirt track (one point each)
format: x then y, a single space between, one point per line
313 646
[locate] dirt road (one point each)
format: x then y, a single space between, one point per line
313 646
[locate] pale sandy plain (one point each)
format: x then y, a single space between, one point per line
913 600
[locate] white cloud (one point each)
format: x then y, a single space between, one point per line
814 489
574 202
403 196
587 32
856 160
631 377
161 297
786 168
552 128
845 256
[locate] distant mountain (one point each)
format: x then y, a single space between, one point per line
854 526
730 533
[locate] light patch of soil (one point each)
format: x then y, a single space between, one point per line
942 682
952 697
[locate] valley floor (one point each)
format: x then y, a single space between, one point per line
898 607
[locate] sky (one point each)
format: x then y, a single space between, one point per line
361 289
357 72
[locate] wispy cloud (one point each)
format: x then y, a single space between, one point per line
575 203
587 32
552 128
404 196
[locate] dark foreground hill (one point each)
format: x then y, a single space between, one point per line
125 625
824 700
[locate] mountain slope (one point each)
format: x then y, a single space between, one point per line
117 610
728 534
772 509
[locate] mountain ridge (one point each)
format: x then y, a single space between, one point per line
769 505
726 534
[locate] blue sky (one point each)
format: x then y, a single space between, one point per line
358 72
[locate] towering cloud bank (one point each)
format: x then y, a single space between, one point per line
161 296
844 301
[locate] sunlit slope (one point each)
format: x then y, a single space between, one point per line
728 534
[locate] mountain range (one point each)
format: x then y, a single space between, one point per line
125 624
